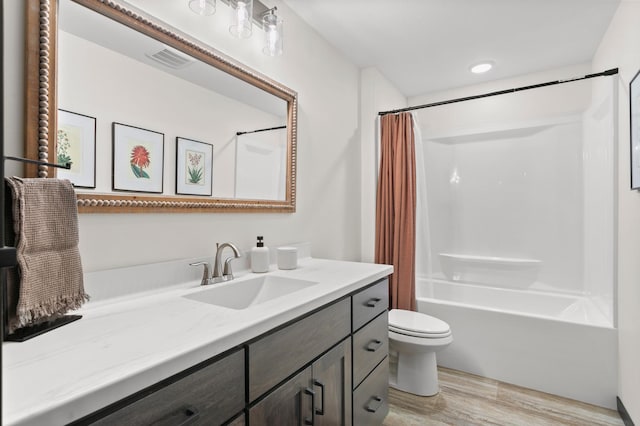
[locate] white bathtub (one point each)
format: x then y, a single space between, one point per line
550 342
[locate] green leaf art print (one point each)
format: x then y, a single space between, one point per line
63 147
195 169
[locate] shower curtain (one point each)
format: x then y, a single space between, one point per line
396 208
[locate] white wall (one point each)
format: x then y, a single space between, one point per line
328 181
376 94
619 48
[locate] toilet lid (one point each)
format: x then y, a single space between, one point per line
417 324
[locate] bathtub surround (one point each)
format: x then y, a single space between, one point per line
396 208
519 258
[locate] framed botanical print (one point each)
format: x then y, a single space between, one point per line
76 144
138 159
194 167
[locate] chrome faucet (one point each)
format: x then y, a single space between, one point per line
220 274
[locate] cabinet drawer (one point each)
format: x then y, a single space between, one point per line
208 396
278 355
371 398
369 303
370 346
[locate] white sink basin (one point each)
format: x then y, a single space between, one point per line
242 294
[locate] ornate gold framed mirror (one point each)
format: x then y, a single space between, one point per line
55 80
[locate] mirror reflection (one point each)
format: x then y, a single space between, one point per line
115 74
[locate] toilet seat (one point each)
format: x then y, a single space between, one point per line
416 324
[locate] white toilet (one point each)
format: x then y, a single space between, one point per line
414 339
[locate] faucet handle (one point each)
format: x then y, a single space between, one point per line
227 272
205 273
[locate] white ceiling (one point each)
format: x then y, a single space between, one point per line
424 46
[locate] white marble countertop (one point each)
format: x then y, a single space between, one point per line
122 345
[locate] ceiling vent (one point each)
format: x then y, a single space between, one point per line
171 58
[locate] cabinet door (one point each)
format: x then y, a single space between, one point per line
275 357
290 404
332 384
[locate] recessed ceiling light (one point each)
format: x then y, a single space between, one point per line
481 67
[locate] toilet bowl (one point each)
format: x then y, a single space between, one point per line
414 339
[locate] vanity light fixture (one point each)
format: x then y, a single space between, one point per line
203 7
482 67
244 14
241 17
273 35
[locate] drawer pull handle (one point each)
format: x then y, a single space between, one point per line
318 383
371 303
311 421
373 406
183 416
374 345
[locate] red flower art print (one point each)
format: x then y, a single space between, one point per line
140 159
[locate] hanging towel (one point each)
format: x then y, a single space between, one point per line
45 223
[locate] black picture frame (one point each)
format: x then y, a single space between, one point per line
137 159
76 144
193 155
634 130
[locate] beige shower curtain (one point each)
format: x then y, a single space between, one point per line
396 208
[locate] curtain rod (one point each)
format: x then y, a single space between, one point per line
261 130
612 71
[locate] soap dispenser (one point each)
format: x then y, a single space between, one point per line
260 257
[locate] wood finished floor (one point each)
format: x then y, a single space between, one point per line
466 399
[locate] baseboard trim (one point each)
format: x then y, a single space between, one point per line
624 414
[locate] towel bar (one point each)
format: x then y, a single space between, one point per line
38 162
8 259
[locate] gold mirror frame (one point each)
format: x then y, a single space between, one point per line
41 110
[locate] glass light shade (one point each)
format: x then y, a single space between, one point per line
273 35
203 7
241 16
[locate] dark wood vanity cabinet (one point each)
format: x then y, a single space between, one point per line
370 354
320 394
209 394
329 367
276 356
345 385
